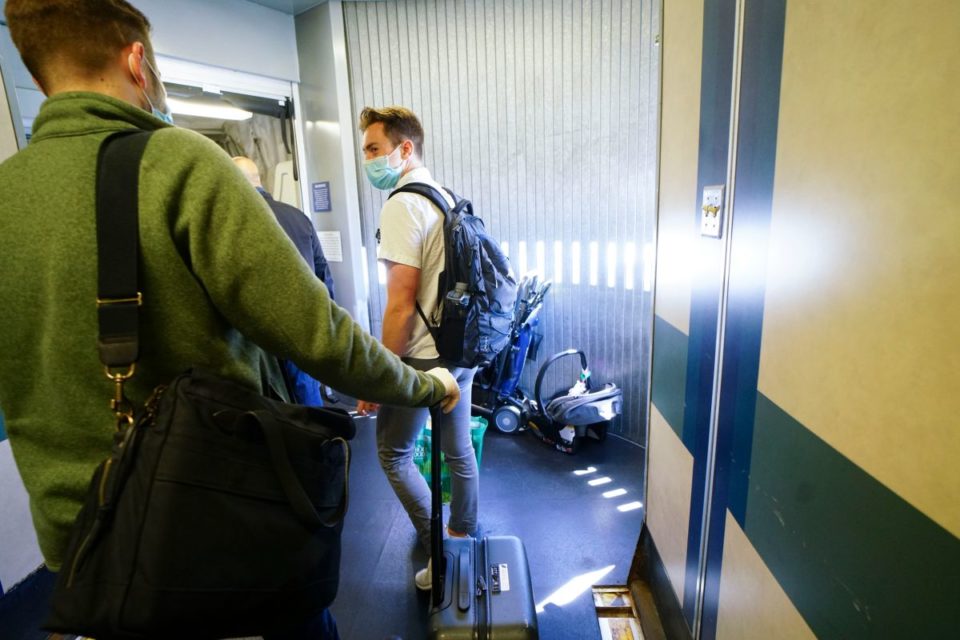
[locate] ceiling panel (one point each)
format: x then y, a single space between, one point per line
292 7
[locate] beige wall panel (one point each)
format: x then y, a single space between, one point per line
8 135
679 142
752 604
669 479
861 334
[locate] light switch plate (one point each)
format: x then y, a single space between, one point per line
711 211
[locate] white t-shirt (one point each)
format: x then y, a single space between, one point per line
411 233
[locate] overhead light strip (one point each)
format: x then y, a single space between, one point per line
200 75
219 112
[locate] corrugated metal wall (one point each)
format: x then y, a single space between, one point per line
545 115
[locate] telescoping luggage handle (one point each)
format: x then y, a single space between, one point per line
436 510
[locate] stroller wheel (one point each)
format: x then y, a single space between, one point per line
506 418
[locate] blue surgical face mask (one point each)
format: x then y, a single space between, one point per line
379 172
166 116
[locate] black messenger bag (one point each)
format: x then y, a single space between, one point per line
219 511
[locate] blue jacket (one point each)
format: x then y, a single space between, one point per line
300 229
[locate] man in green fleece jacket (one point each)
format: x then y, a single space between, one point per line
221 281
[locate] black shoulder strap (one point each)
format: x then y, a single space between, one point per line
118 246
428 192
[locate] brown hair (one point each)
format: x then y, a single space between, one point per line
85 34
399 123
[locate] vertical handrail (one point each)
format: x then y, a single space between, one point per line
727 234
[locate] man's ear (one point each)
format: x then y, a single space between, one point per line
133 54
408 148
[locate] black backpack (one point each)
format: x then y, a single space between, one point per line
477 288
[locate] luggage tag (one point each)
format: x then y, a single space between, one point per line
499 578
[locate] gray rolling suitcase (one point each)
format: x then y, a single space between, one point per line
481 588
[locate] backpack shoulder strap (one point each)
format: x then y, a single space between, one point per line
424 190
433 195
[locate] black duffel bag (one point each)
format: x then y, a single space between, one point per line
218 514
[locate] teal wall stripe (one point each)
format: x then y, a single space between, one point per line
669 372
856 559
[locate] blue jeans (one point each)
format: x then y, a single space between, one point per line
397 431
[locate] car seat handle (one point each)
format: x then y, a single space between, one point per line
537 388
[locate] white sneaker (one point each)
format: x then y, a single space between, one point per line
424 577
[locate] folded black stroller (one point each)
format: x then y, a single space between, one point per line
497 395
580 412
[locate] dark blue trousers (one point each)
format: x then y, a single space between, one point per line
323 627
303 388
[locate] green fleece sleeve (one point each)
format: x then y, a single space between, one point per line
256 278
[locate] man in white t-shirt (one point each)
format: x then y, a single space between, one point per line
411 249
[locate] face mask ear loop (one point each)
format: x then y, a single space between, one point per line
403 161
395 149
156 74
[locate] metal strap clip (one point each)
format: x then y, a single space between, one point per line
122 408
102 302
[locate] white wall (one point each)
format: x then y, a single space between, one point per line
19 553
225 33
229 34
25 98
235 34
329 147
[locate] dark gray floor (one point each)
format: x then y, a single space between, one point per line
528 490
